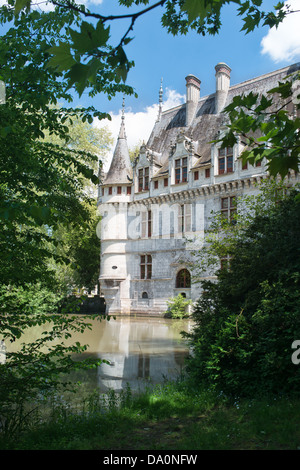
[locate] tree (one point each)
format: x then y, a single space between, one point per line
248 318
42 187
77 246
178 307
134 151
80 246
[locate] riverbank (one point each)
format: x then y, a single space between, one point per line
171 417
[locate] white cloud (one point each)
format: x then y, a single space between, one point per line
138 125
94 2
45 5
283 43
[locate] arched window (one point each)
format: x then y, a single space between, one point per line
144 295
183 279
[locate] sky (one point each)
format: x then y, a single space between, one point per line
159 55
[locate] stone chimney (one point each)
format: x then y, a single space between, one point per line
192 97
222 85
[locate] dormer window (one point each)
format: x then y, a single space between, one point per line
143 180
181 170
225 157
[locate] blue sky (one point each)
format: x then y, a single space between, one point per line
158 54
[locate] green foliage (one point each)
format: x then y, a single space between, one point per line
177 307
88 60
41 183
42 187
80 245
174 416
32 368
246 321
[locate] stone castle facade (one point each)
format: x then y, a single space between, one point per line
156 210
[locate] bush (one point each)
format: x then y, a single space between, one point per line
177 307
32 368
246 322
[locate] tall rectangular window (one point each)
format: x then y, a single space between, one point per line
225 262
146 179
185 218
146 219
184 169
146 266
143 179
149 215
225 160
181 170
181 219
228 208
177 171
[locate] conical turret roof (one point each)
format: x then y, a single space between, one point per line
120 171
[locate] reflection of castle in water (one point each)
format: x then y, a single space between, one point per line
141 352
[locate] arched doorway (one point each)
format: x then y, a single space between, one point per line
183 279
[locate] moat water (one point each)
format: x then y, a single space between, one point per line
141 351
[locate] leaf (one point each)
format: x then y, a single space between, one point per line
77 74
20 4
197 8
249 23
284 89
89 38
62 58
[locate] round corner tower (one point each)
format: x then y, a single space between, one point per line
115 194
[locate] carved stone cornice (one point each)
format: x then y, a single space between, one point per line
190 194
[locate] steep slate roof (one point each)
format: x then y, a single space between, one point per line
120 171
206 123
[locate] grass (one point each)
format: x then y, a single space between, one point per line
170 417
